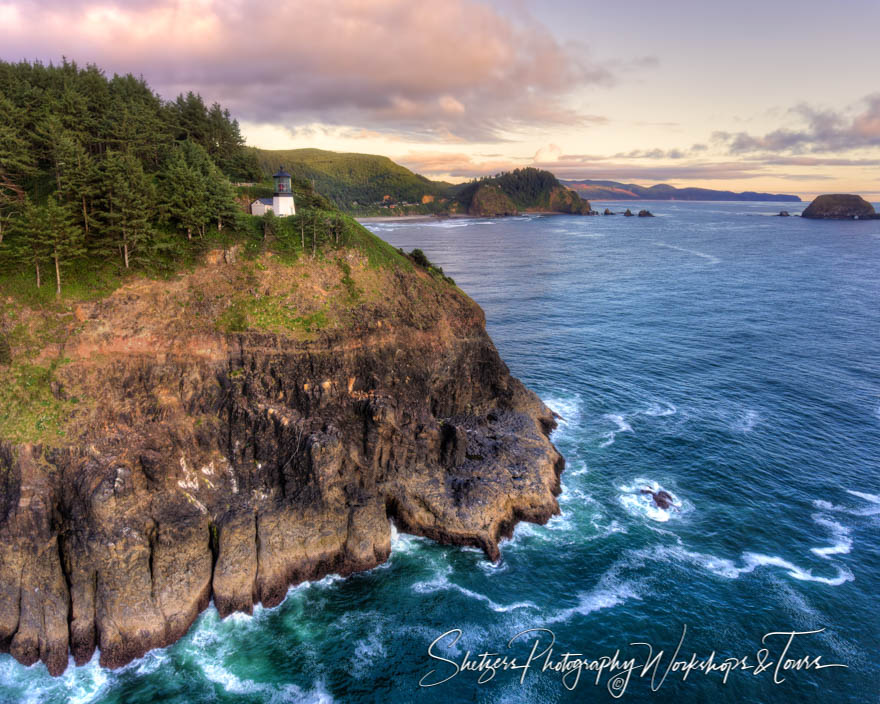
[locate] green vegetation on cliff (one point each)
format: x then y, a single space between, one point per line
366 184
357 183
103 186
526 189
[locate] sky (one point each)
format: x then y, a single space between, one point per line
777 95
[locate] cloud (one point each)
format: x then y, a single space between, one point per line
583 166
457 68
822 131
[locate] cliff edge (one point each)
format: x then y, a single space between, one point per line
241 428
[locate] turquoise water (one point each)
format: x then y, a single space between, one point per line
728 357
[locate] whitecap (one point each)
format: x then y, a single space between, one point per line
709 257
872 509
610 591
441 582
641 504
660 410
840 533
746 422
271 693
724 567
567 410
872 498
622 427
366 651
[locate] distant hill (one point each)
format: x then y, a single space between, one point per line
612 190
354 182
520 190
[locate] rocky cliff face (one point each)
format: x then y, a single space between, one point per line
490 201
839 207
247 427
565 200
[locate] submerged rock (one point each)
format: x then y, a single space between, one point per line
646 214
839 206
784 214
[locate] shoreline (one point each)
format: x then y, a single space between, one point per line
454 216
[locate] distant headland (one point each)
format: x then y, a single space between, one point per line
612 190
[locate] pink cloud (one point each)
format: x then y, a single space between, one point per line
457 67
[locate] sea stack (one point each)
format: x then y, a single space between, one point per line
839 206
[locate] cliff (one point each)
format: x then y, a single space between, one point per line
490 201
519 190
240 428
839 207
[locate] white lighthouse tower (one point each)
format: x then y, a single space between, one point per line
282 200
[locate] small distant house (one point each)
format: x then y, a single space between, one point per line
281 203
261 206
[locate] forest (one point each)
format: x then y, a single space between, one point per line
100 176
527 187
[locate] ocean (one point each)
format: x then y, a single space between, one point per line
715 352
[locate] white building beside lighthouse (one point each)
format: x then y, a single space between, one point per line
281 203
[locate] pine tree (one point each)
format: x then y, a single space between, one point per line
183 194
17 163
29 246
62 237
128 204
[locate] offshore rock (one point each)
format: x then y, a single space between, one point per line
839 207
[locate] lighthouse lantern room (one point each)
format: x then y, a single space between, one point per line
282 200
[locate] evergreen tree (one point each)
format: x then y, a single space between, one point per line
17 163
61 237
128 205
183 194
30 247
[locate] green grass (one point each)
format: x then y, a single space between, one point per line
351 181
271 314
29 411
88 281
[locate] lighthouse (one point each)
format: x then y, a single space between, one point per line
282 199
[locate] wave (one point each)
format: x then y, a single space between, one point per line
709 257
841 533
872 498
567 410
622 427
610 591
366 651
655 409
660 409
724 567
746 422
272 693
641 504
442 582
872 509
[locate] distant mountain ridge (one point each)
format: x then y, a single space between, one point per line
614 190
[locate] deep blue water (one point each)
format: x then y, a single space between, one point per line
728 357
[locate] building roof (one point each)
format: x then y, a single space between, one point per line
264 201
281 173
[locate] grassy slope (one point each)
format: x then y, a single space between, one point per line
349 178
39 327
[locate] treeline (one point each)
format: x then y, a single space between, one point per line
96 167
527 188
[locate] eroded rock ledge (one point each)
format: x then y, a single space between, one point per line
228 466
